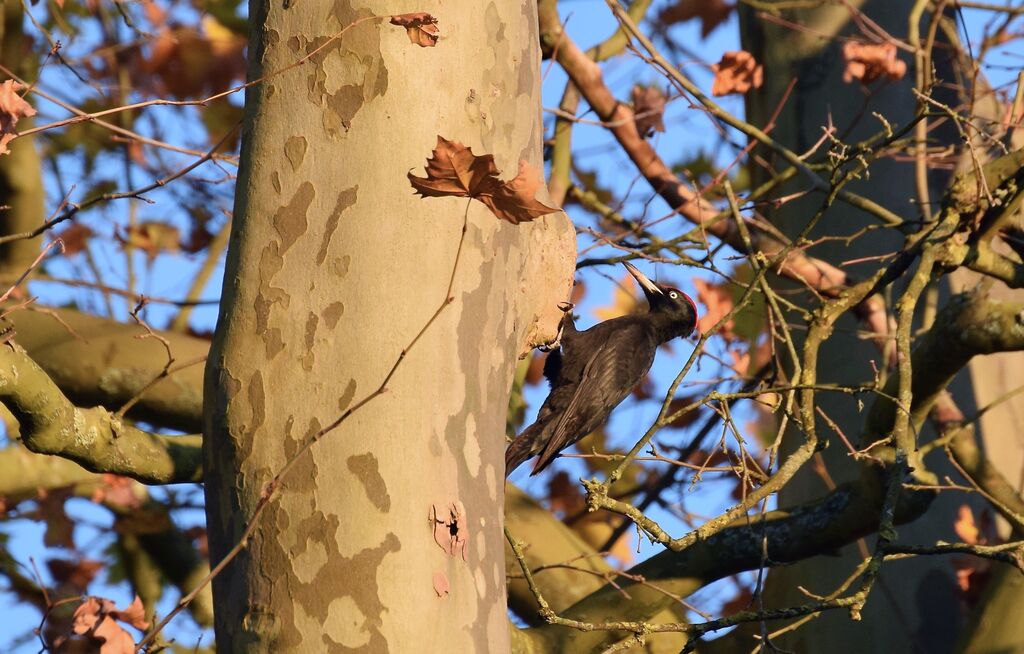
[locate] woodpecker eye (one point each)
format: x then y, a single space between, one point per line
673 295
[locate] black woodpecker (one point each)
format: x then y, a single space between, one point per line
592 371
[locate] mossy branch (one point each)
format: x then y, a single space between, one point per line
94 438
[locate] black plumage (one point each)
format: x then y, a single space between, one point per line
592 371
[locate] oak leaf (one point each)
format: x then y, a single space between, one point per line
648 109
867 62
737 72
420 26
454 171
712 13
12 108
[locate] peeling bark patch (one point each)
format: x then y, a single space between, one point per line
346 397
312 320
295 151
332 314
345 200
441 585
290 220
364 467
451 531
275 181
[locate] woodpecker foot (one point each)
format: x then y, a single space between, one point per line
566 309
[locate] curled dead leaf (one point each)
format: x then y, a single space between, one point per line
96 618
649 109
867 62
76 238
454 171
12 108
420 26
737 72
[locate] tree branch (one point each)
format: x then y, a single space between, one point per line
93 438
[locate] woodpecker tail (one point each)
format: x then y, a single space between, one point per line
522 448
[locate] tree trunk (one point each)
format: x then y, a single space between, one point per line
334 267
915 607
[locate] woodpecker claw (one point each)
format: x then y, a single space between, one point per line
566 308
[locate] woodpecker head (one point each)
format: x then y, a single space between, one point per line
670 304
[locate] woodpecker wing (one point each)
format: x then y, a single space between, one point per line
608 376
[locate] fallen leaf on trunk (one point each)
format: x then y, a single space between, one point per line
12 108
420 26
454 171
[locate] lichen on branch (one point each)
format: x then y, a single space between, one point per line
94 437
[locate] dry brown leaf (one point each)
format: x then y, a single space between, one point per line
644 388
153 237
420 26
867 62
454 171
564 495
77 574
97 618
115 639
712 13
718 302
965 526
737 72
12 108
187 63
134 614
741 602
117 491
649 109
76 238
86 616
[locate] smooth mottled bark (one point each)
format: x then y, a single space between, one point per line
333 268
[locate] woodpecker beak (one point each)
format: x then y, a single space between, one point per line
650 289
